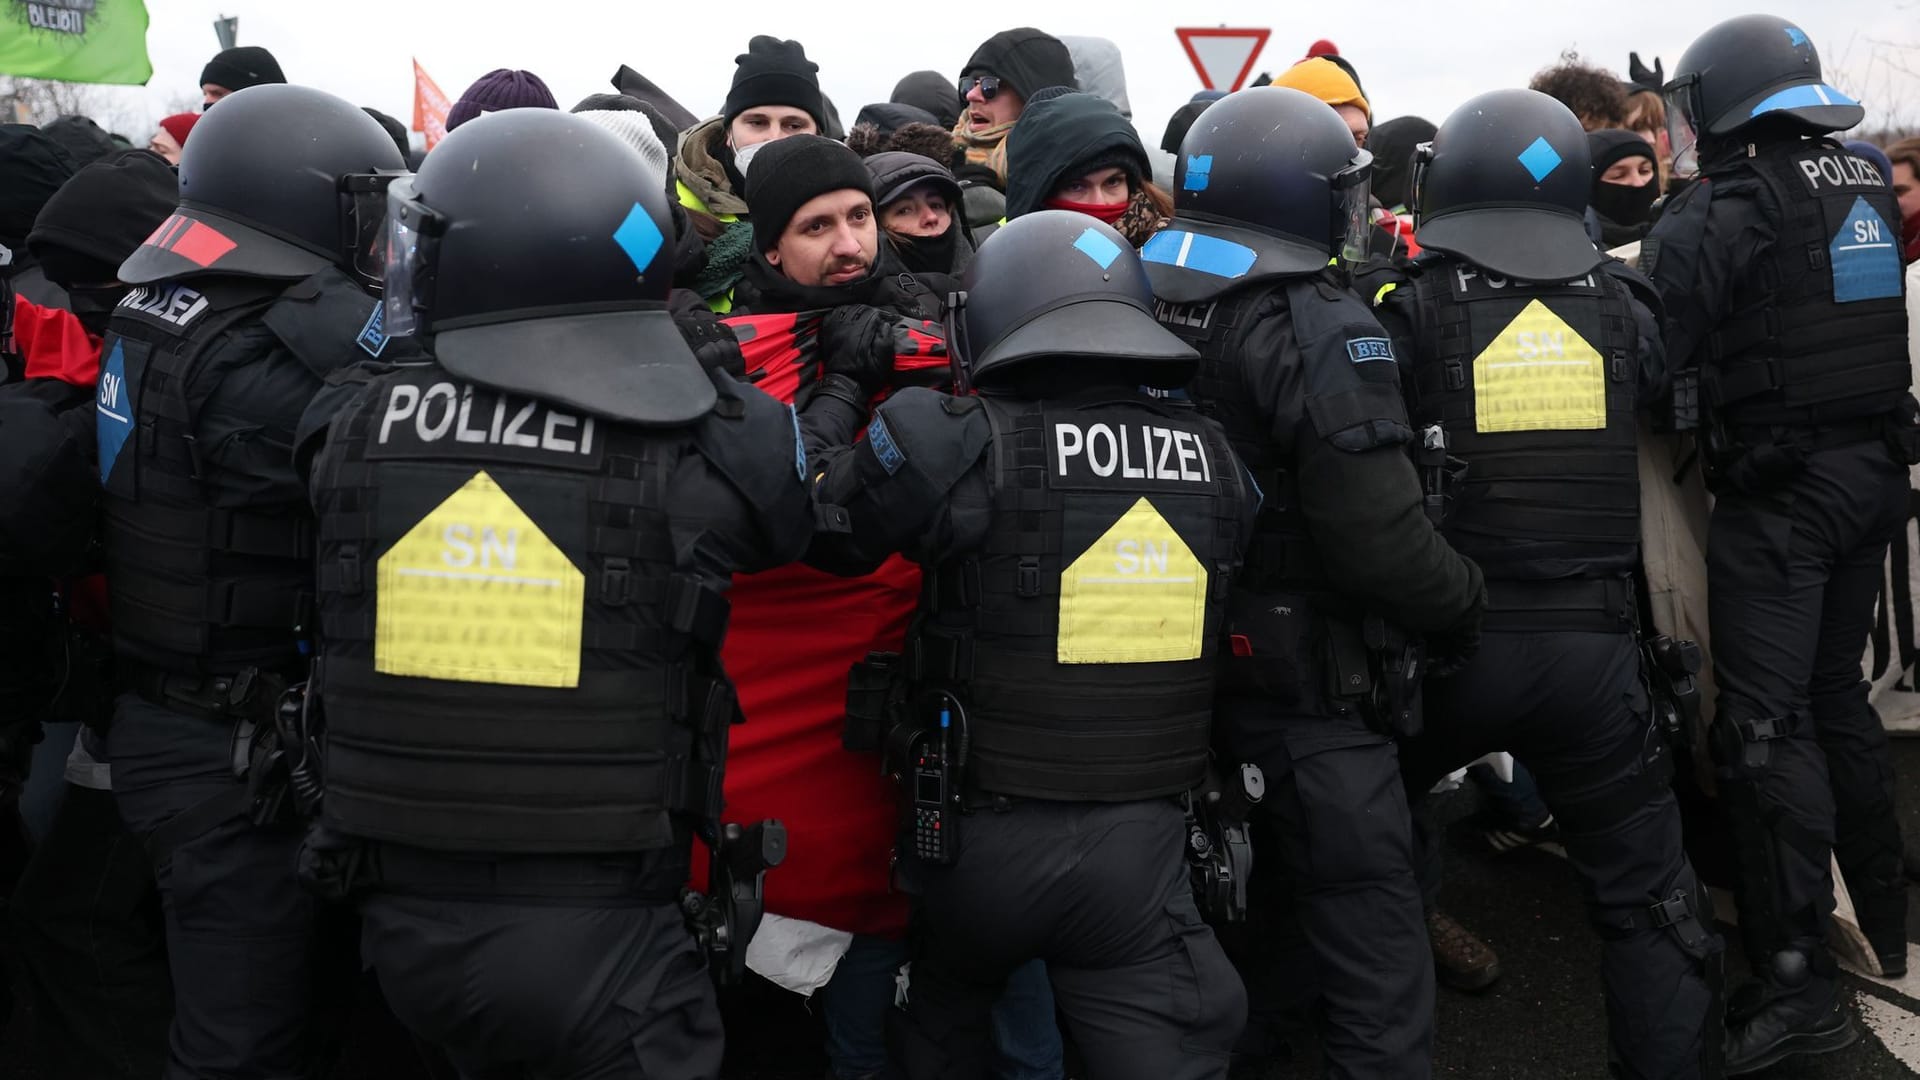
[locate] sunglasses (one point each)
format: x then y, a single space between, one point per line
989 86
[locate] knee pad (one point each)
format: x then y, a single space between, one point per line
1740 744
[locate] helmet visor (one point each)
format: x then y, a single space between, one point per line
1683 128
1352 193
404 263
363 219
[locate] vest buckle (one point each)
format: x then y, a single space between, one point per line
616 580
350 582
1456 375
1027 580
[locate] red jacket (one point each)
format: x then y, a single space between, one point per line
793 635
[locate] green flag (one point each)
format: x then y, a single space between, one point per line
90 41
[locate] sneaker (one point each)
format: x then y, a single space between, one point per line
1461 959
1503 836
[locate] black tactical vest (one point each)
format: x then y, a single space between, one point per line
1535 388
1350 396
514 662
1083 634
1817 332
203 580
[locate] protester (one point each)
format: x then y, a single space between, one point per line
33 166
1076 152
1594 95
83 138
775 94
1625 184
1333 83
86 908
996 85
919 207
933 92
499 89
171 136
236 69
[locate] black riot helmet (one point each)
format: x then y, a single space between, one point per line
279 182
1504 185
1268 182
1745 70
536 248
1059 284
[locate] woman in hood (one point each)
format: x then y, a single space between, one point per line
919 207
1076 152
1625 183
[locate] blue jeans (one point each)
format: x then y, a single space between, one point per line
856 1000
1518 803
1026 1038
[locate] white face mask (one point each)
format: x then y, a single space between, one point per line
744 157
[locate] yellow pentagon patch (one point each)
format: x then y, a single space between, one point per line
475 592
1136 595
1539 374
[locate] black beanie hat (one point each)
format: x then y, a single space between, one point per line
1608 145
1025 59
100 216
786 173
775 72
241 67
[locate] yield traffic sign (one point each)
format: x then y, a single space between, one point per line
1223 57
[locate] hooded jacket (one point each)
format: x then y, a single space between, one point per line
1053 136
931 91
894 172
34 167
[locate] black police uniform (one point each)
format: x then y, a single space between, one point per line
1079 537
522 572
1533 386
1782 281
209 545
1344 565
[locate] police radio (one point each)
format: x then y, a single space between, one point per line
926 756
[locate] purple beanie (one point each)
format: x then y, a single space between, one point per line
501 88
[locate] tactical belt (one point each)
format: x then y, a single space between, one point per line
212 697
625 880
1812 437
1602 605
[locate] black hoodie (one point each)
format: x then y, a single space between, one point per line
95 221
1054 135
34 166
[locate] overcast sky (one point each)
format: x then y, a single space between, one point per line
1413 57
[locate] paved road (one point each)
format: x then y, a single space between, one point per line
1542 1020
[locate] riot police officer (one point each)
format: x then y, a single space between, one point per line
1078 537
1781 275
243 302
525 548
1344 567
1523 347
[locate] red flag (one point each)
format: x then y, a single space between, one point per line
429 107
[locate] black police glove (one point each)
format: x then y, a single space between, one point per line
713 344
857 341
1449 650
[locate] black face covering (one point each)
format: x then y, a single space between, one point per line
927 254
1624 205
93 305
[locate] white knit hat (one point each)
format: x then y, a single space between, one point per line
636 131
